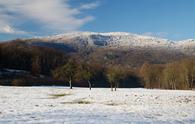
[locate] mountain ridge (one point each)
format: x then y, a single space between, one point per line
123 40
108 48
79 41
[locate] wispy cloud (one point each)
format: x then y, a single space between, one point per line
90 5
156 34
54 15
6 29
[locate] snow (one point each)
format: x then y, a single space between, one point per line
53 105
113 39
120 39
125 40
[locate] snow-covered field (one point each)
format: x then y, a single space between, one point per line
59 105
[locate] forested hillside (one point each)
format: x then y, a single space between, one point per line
99 67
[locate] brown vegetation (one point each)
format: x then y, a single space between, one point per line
175 75
96 67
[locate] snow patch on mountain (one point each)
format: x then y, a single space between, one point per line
118 40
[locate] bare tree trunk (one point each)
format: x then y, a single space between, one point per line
148 85
174 85
187 82
159 81
70 83
111 85
191 84
115 86
89 85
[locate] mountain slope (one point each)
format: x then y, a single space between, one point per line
115 47
80 40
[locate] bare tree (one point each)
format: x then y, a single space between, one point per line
66 72
85 72
115 74
188 70
173 76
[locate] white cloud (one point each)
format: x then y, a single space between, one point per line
54 15
7 29
90 5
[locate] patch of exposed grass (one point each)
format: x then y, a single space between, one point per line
83 102
55 96
112 104
80 101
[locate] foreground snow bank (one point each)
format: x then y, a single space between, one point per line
98 106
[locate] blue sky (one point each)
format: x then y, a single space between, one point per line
171 19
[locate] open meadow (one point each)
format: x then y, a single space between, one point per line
23 105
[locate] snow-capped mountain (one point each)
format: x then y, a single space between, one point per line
117 40
109 48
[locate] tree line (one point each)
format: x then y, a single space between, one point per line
59 66
75 71
174 75
82 71
37 60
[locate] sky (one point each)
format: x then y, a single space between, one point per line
170 19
